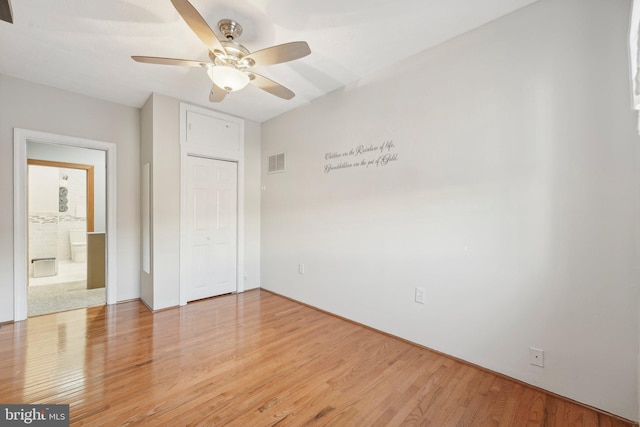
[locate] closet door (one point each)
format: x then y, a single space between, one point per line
212 201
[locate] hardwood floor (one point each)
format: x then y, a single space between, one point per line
254 359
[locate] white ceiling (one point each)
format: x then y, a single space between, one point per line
85 46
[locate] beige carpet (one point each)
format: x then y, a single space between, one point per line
63 296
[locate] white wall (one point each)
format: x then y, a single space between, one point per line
161 148
165 202
44 189
252 138
146 157
41 108
514 201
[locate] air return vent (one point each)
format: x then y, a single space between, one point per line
276 163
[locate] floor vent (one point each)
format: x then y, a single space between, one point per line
276 163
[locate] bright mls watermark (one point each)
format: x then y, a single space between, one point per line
34 415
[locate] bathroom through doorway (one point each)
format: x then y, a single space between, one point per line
66 255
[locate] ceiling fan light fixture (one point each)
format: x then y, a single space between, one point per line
228 78
230 61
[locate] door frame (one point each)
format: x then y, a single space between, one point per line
20 266
89 182
210 152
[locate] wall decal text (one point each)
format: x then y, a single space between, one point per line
361 157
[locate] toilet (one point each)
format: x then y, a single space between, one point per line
78 241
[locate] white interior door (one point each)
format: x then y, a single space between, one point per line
212 206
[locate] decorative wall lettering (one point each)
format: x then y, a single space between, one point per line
361 157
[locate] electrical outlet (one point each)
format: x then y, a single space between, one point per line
301 268
536 357
420 295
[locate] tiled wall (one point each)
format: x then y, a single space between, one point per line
49 231
49 234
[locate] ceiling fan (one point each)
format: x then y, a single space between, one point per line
5 11
231 63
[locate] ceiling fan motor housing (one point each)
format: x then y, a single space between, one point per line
230 29
234 55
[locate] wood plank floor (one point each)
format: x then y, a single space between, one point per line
254 359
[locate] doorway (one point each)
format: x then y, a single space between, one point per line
22 138
61 205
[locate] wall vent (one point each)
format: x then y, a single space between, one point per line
276 163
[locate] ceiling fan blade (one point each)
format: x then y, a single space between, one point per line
169 61
280 53
5 11
198 25
270 86
217 94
